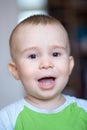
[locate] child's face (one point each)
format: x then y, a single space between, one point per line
42 60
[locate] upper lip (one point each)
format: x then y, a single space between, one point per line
47 77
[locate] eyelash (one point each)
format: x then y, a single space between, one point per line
56 54
33 56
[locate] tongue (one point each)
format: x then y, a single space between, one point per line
46 83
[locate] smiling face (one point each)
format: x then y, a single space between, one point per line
42 60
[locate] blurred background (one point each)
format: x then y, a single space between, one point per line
72 14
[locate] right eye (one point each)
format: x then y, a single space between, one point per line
56 54
32 56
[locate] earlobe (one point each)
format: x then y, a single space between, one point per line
13 70
71 64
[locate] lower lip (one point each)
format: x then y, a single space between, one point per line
47 85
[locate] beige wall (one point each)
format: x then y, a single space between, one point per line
10 89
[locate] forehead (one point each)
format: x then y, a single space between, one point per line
48 32
40 35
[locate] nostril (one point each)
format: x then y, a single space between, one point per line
46 64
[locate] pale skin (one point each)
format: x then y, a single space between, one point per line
42 63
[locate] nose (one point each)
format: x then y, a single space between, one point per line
46 63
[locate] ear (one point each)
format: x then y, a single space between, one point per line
13 70
71 59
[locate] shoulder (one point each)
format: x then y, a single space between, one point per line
81 103
8 114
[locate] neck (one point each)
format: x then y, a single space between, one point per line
48 104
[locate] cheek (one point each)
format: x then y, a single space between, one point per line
26 70
63 67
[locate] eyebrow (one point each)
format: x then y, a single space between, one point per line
30 49
57 47
38 49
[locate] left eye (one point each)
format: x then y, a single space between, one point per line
56 54
32 56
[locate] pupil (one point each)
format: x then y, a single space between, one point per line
33 56
55 54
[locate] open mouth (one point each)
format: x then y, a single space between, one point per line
47 82
46 79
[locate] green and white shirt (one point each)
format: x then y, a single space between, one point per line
72 115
